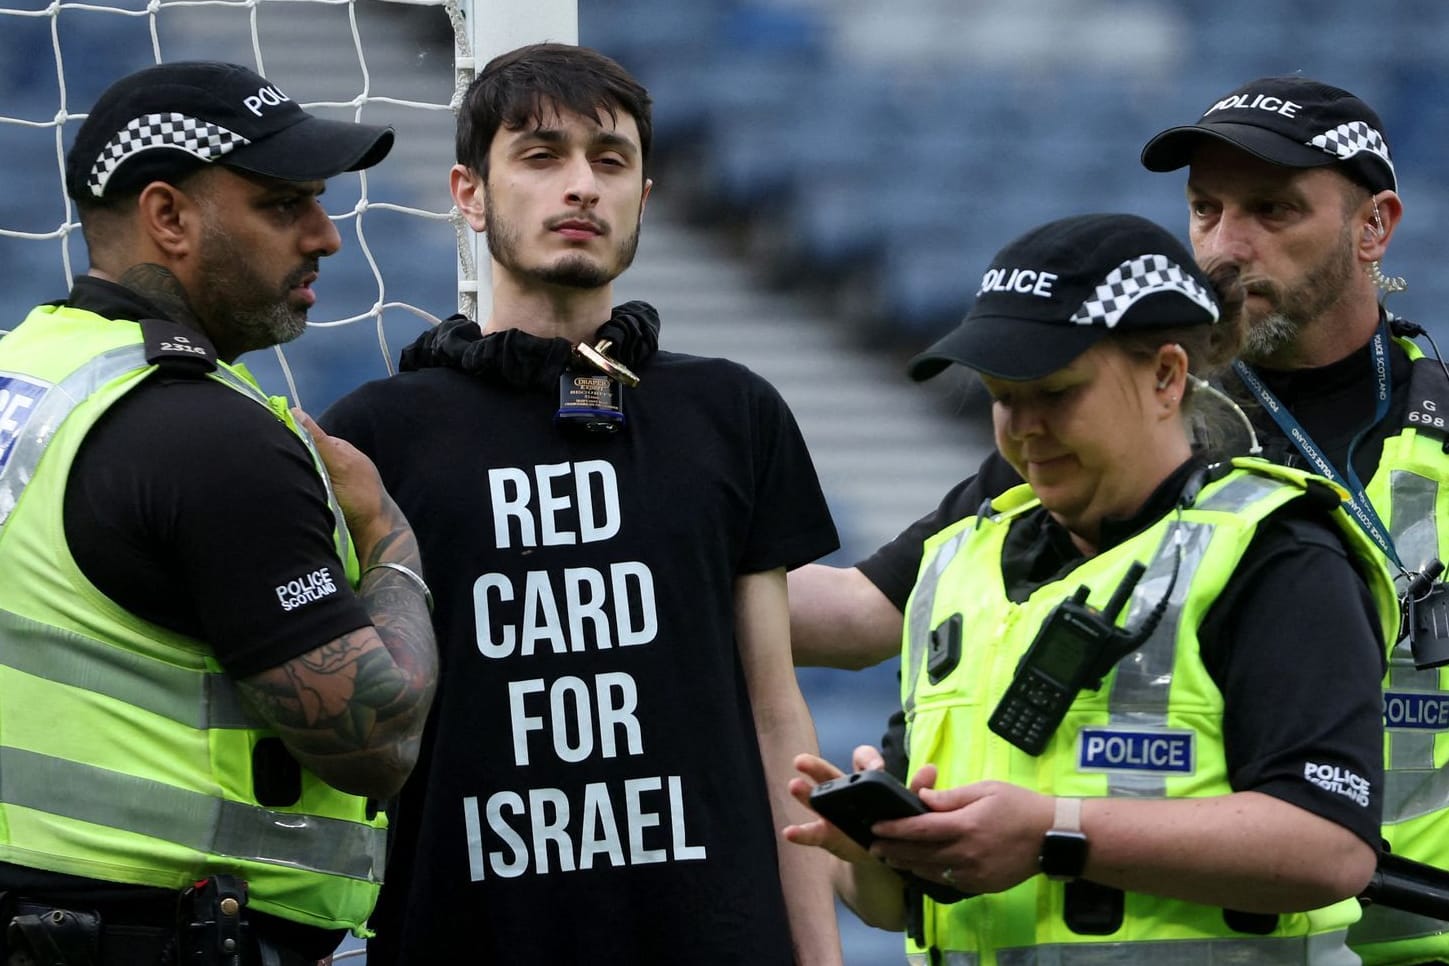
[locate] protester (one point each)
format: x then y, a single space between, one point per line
608 525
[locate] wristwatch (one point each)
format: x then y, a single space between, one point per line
1064 848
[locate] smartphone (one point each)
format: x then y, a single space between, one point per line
853 803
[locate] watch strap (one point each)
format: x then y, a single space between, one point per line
1064 847
1068 815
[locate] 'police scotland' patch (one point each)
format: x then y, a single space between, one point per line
18 397
1414 710
1136 749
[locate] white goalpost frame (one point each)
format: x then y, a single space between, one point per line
483 29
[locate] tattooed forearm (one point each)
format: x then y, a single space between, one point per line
401 619
353 710
397 545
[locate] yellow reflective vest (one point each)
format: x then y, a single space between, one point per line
125 753
1158 711
1410 492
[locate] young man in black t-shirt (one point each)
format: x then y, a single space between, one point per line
606 765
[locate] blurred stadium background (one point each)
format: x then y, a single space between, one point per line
832 177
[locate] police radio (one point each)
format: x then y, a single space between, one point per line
1075 647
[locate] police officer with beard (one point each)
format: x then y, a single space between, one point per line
213 660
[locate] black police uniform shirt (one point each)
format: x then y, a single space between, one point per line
590 788
1293 643
193 507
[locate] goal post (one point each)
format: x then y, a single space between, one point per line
482 29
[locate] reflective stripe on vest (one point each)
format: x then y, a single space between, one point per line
1395 925
63 397
51 411
1413 786
190 819
1140 692
141 682
1322 949
943 958
923 603
1144 678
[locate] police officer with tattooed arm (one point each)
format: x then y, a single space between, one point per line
1292 180
214 662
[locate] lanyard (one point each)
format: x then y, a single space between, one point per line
1358 504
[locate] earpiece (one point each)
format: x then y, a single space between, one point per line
1388 284
1166 357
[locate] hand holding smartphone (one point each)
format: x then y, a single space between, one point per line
855 802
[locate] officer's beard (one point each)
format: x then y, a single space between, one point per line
247 310
1269 339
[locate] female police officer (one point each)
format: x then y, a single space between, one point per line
1140 691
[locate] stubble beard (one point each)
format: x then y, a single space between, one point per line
1267 338
574 270
233 297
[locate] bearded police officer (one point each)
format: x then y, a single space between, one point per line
202 692
1292 180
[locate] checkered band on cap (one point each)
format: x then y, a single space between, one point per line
201 139
1346 140
1137 278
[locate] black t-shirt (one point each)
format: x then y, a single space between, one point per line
590 788
1334 404
191 506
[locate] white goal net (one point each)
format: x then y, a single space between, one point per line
406 259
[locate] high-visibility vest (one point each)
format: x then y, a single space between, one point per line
1410 492
125 753
1153 729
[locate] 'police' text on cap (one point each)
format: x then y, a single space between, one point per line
1291 121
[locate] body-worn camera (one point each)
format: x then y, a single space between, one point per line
1426 617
